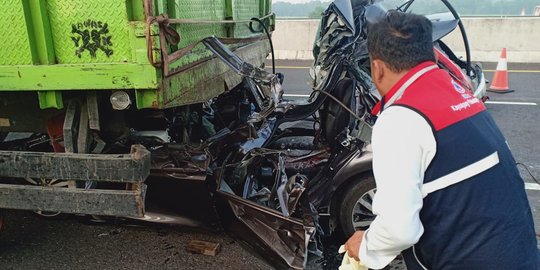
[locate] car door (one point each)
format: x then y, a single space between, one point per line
266 209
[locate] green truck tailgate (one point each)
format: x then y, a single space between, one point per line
55 46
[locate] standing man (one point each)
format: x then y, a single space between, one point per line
449 195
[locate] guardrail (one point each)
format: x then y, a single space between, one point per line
293 38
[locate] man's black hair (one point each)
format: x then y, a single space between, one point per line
402 40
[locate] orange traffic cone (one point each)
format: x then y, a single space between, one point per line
499 83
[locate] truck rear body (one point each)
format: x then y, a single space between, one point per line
60 62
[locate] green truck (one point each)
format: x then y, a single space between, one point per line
84 84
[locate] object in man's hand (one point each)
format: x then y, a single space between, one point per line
349 263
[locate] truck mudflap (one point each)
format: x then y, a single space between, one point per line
127 172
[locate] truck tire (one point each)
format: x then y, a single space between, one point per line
355 212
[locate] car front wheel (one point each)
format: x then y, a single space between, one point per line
356 212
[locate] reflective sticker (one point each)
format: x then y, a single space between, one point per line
461 174
4 122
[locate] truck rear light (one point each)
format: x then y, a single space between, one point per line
120 100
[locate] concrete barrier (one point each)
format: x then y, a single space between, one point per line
293 39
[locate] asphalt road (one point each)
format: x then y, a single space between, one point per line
30 242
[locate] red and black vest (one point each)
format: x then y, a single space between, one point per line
475 214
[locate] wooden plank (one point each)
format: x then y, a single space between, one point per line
83 136
203 247
70 125
126 168
69 128
74 201
93 110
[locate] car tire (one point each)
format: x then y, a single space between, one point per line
351 210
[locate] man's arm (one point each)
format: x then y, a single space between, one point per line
403 147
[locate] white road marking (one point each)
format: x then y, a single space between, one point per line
296 95
488 102
532 186
485 70
512 103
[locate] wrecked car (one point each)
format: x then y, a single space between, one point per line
280 175
292 174
305 173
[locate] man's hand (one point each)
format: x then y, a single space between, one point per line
352 246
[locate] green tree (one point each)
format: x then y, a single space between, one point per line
317 12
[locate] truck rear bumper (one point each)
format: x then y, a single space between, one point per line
131 170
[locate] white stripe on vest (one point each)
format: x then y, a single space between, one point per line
461 174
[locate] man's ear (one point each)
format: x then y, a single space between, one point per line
377 70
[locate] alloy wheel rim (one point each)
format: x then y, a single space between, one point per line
362 214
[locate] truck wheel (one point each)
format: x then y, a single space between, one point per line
356 212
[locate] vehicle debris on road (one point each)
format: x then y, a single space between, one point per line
203 247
